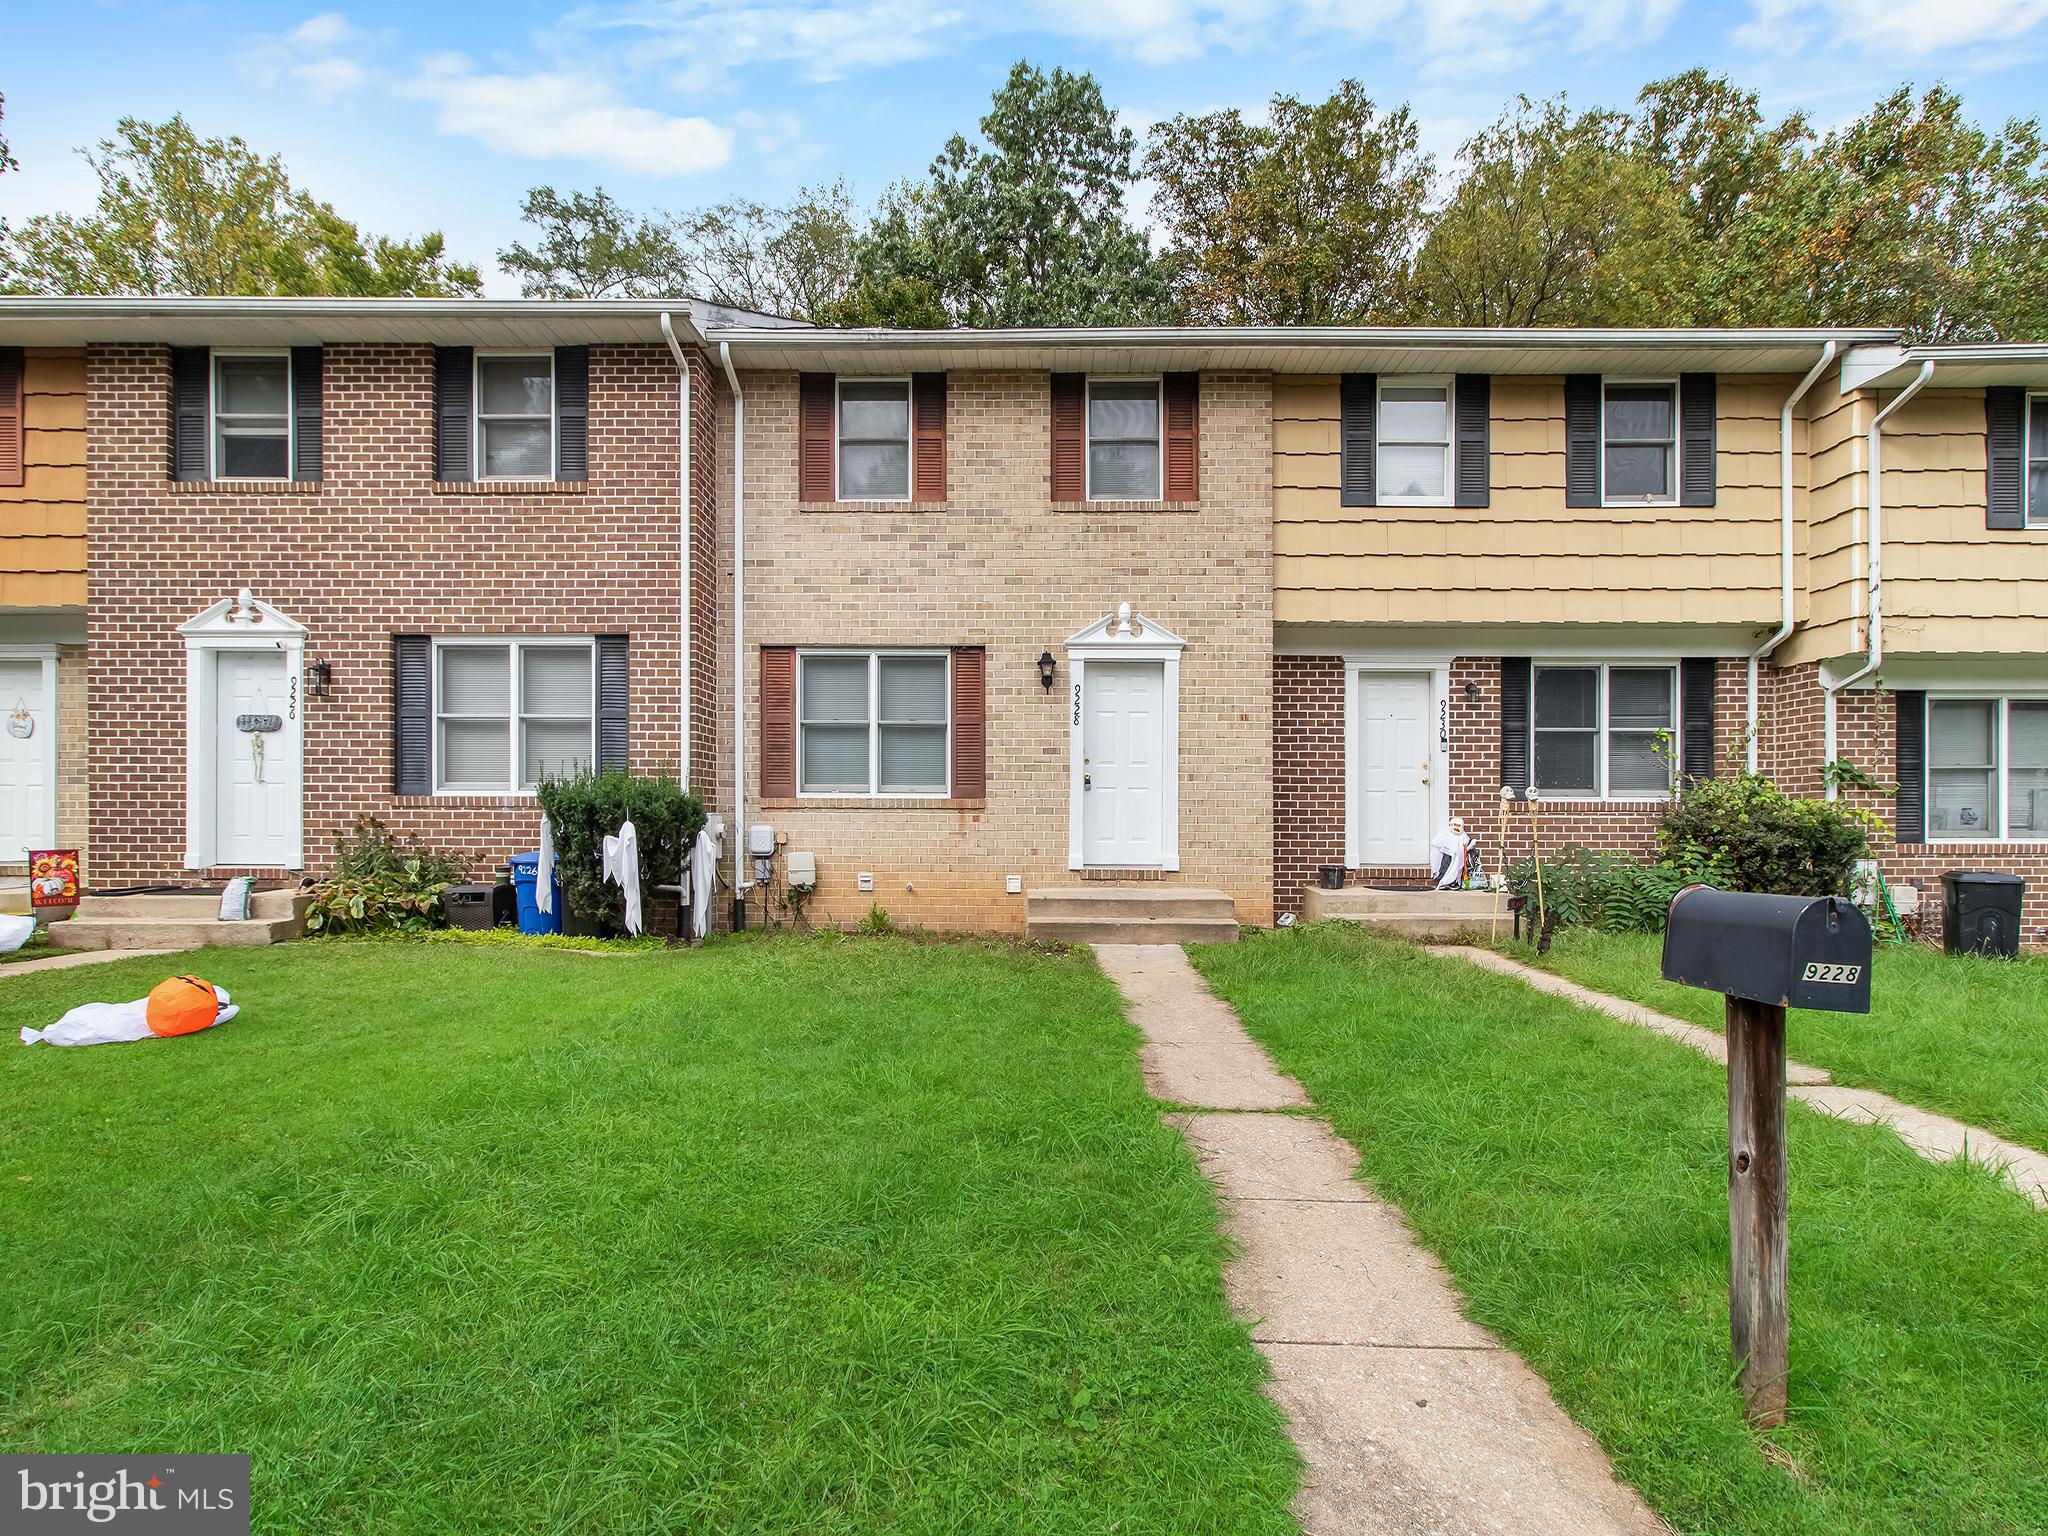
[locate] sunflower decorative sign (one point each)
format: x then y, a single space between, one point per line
53 877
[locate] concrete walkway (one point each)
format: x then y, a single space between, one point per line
1410 1418
75 958
1935 1137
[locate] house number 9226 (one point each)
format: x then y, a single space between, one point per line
1839 975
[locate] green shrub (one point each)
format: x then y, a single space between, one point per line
1610 891
585 808
379 885
1763 838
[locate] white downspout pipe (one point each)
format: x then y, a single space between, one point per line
1874 565
675 348
1785 621
740 884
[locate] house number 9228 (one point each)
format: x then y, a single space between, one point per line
1839 975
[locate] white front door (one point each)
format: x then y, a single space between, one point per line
1123 764
28 733
1393 757
256 771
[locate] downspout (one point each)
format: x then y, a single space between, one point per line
1785 621
740 884
1874 565
668 334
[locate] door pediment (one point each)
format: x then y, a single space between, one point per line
1124 632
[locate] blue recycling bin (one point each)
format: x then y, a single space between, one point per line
525 876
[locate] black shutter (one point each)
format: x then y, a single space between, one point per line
1582 439
1357 397
189 388
1474 411
572 413
611 701
454 390
307 388
412 715
2005 476
1696 474
1909 738
1515 767
1696 719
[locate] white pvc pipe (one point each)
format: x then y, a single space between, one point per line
740 884
1874 565
1785 621
675 348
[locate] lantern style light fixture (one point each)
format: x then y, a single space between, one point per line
1045 669
319 677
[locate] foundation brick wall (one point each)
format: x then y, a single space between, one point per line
998 565
372 550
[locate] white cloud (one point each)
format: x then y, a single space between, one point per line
1912 28
323 53
567 116
826 39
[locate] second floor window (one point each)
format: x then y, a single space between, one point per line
2037 460
1604 730
1414 441
874 439
1639 442
515 416
252 416
1123 440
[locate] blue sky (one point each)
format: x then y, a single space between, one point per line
409 117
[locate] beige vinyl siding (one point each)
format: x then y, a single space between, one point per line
42 520
1528 557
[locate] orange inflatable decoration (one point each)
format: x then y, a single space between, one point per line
181 1006
184 1005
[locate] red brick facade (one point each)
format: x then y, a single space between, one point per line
374 549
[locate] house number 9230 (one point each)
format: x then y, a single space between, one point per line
1839 975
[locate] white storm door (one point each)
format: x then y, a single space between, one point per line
1393 757
256 773
27 797
1123 764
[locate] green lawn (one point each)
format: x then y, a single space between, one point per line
1570 1170
780 1235
1964 1035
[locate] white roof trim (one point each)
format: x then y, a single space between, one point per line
1125 629
242 617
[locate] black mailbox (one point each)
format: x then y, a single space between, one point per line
1788 951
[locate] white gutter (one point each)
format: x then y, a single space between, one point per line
1785 620
740 883
668 334
1874 565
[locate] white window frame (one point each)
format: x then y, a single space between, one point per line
839 382
1603 725
291 447
477 415
517 645
2030 515
1448 385
1677 443
2001 765
1158 383
875 657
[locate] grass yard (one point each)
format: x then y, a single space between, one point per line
781 1235
1570 1170
1967 1035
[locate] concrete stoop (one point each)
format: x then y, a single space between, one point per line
180 921
1413 914
1131 914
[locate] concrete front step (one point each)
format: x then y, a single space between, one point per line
1364 900
181 921
199 906
1134 930
1118 901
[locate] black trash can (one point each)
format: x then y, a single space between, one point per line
1980 912
479 906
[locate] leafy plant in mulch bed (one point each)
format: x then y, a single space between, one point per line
380 885
585 808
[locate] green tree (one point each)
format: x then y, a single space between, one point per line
7 160
178 214
1311 218
1025 227
591 247
1709 138
794 259
1557 220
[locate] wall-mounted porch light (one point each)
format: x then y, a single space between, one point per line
319 677
1045 669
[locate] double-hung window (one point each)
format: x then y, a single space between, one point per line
252 415
1987 768
1603 731
874 440
1414 447
2037 460
873 723
1123 440
1639 442
515 416
508 712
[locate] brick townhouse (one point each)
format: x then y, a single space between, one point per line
1130 615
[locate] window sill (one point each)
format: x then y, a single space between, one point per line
1127 506
871 803
511 487
470 800
1553 799
919 507
245 487
1955 845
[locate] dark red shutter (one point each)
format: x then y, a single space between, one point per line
970 722
778 722
1183 436
1069 436
814 476
13 435
928 437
